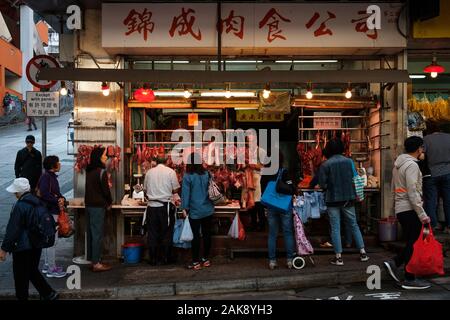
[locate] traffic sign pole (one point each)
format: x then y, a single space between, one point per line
44 131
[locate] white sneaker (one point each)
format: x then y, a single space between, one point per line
45 269
273 264
56 272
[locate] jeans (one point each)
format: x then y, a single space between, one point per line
411 227
50 253
26 269
432 187
205 224
96 220
350 223
275 218
258 216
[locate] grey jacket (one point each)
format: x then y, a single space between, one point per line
407 185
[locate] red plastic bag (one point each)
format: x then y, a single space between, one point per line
65 227
427 258
241 230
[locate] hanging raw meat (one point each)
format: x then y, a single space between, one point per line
317 154
250 188
83 157
305 159
346 141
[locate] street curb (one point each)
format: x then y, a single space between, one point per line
189 288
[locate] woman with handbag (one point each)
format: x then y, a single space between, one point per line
336 179
197 205
279 213
48 191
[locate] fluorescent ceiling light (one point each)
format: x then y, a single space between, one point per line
306 61
234 61
246 108
417 76
174 61
223 93
169 93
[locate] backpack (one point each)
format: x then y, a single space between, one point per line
41 226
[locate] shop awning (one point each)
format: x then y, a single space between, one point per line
219 77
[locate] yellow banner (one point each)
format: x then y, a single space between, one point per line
437 27
255 116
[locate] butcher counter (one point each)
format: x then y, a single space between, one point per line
122 225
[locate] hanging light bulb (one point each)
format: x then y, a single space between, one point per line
105 89
186 93
309 93
348 93
434 68
63 90
266 91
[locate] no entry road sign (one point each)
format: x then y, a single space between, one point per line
34 66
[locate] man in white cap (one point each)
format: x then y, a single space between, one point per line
17 241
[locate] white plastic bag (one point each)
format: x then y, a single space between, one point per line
234 229
186 233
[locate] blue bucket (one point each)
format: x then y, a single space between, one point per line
132 252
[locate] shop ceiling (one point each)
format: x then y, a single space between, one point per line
220 77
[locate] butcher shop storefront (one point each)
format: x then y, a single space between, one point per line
292 75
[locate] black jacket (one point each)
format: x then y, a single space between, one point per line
16 237
97 192
29 165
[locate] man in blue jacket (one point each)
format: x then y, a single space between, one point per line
25 256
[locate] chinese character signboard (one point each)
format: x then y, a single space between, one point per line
42 104
255 116
327 120
250 25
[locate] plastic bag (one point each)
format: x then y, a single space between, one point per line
65 225
303 245
178 228
427 258
241 229
416 122
234 228
186 233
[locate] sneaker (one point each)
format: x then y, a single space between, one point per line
100 267
45 269
289 264
363 257
52 296
415 284
337 261
391 269
56 272
273 264
195 266
205 262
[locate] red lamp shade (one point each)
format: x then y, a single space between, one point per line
144 95
434 67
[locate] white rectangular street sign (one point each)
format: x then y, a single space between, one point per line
42 104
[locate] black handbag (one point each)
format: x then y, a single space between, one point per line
285 187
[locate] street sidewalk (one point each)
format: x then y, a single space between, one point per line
243 274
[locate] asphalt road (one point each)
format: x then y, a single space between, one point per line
440 290
12 139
